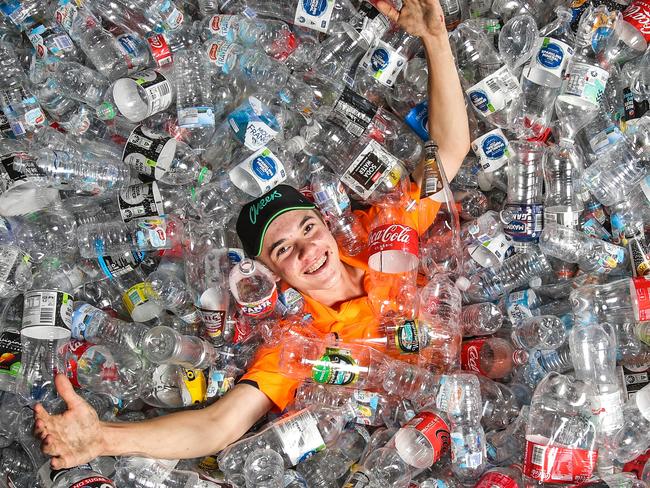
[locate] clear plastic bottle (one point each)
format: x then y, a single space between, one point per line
570 245
264 467
492 357
253 287
173 294
164 345
480 319
632 438
334 203
193 104
541 332
117 237
424 439
141 94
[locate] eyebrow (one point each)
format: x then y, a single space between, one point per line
277 243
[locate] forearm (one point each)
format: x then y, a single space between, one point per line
448 124
187 434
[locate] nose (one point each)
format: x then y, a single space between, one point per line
307 249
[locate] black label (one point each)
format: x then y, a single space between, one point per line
407 338
118 265
94 482
628 104
11 175
142 152
353 112
368 170
10 352
142 200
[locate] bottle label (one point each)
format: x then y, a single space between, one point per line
44 310
593 228
65 14
494 479
366 404
335 367
314 14
160 50
605 139
15 11
130 48
418 120
172 16
264 167
607 408
568 218
470 356
213 322
384 63
261 307
224 26
467 452
640 291
218 51
527 222
10 353
191 117
193 387
299 436
554 464
500 246
253 124
374 24
152 233
358 479
113 266
434 429
219 383
493 92
493 150
407 337
137 295
609 259
353 112
552 56
640 256
585 81
392 238
638 14
74 349
332 198
82 317
369 169
450 397
94 482
157 88
11 177
149 153
57 40
519 305
141 200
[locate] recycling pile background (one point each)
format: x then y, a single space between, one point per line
133 131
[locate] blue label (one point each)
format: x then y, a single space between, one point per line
314 8
550 56
494 147
527 222
264 167
379 59
128 43
480 100
418 118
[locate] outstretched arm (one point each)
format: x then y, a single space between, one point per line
448 125
77 436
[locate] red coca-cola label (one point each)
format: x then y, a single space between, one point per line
73 351
435 429
555 464
494 479
283 47
470 355
640 291
638 14
160 50
393 237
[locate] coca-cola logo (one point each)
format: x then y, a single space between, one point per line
473 358
214 50
156 42
393 237
215 24
638 14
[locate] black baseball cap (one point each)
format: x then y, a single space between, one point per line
256 216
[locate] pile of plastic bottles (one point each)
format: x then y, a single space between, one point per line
514 349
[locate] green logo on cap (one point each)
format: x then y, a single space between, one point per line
254 211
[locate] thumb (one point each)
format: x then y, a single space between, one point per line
66 391
388 10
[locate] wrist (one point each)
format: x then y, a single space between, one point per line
107 443
435 41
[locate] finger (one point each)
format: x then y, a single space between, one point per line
40 412
57 462
39 428
388 10
48 446
66 391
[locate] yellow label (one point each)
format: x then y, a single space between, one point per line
136 295
195 388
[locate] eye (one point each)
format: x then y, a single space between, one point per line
308 228
281 250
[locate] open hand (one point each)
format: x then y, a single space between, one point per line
422 18
72 438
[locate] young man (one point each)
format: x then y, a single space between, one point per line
296 245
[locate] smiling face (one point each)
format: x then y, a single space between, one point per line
300 249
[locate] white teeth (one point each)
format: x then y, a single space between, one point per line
316 265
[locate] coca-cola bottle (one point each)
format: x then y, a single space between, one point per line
393 258
492 357
638 15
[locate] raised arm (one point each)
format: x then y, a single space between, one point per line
448 125
77 436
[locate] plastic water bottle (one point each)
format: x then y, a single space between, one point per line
141 95
164 345
193 103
